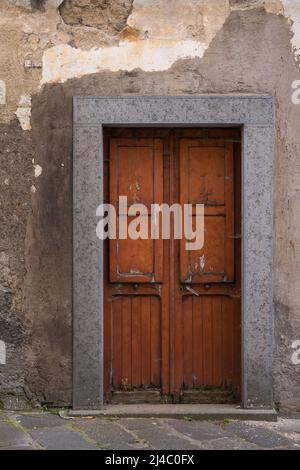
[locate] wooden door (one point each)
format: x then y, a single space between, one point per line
172 316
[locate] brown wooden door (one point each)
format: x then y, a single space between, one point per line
172 316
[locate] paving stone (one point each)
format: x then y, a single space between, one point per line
49 431
108 434
161 439
158 436
9 435
137 424
41 420
200 430
19 447
291 425
263 437
290 447
60 438
227 443
5 415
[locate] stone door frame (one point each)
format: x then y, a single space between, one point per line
254 114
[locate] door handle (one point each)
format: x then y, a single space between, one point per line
192 291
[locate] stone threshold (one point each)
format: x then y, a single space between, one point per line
199 412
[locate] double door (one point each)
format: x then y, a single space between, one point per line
172 314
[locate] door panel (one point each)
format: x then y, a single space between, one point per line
210 327
206 177
136 171
136 345
172 316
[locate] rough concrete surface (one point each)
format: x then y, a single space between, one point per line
216 46
43 430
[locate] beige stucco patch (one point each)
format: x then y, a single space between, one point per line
160 33
292 11
63 62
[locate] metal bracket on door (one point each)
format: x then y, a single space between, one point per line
191 290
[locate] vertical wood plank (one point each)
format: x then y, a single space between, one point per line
136 341
227 342
207 341
217 340
158 198
117 334
155 338
126 341
145 341
187 306
108 345
183 199
198 357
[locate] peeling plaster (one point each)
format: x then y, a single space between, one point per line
164 32
2 353
23 112
37 171
157 34
179 19
2 92
292 11
63 62
296 354
109 16
271 6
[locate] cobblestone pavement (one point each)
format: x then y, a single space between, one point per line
45 430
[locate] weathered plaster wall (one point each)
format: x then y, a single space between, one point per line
51 50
